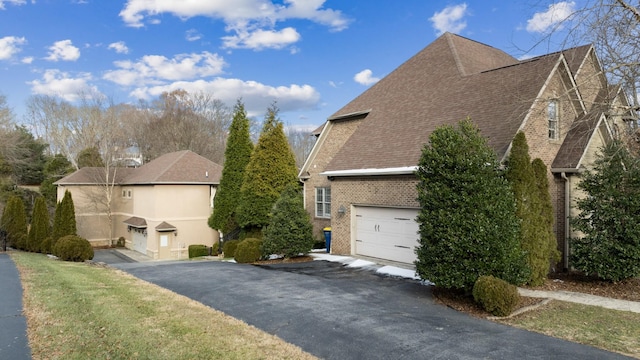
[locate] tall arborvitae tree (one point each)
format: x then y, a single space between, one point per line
271 169
468 226
14 222
237 155
610 247
64 221
533 230
40 228
547 215
290 232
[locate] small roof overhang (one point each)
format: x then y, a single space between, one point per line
165 226
136 222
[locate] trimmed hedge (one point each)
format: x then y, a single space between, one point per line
198 250
248 251
495 295
73 248
229 247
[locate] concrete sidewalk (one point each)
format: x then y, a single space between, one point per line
13 325
586 299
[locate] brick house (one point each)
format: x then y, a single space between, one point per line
359 178
159 208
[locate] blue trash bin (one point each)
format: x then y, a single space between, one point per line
327 238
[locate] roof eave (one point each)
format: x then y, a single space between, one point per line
406 170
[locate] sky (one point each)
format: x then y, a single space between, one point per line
310 57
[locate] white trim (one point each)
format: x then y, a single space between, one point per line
361 172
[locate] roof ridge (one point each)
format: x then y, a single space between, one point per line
170 165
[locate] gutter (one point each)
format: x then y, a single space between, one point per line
408 170
567 228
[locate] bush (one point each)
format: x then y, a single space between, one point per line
468 223
73 248
45 247
248 251
229 247
121 241
290 232
198 250
495 295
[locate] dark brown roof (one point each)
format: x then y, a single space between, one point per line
165 226
451 79
95 175
181 167
136 222
177 167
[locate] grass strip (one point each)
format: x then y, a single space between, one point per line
612 330
80 311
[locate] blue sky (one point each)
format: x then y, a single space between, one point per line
311 56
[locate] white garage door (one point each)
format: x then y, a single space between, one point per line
139 242
387 233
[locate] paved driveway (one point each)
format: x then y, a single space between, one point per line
336 312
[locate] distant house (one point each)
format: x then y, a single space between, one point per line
160 208
359 178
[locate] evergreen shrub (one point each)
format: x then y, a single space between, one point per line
229 247
290 232
198 250
73 248
45 247
495 295
248 251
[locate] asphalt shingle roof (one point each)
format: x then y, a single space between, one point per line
451 79
181 167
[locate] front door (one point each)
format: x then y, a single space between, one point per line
164 246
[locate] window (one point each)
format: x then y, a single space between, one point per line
552 114
126 193
323 202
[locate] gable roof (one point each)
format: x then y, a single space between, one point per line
451 79
181 167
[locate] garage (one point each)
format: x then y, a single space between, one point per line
386 233
138 228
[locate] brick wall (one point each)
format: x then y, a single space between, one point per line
332 139
389 191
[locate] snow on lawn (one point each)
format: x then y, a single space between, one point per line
359 263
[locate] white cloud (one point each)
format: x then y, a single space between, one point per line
555 14
63 50
365 77
57 83
120 47
261 39
248 21
10 45
157 69
14 2
27 60
193 35
450 19
256 96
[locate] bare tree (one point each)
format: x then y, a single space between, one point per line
182 121
301 142
95 122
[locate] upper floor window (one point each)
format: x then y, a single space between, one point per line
552 115
323 202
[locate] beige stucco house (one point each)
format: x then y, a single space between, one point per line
359 178
159 208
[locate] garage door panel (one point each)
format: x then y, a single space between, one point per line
386 233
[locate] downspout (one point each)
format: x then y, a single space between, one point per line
567 228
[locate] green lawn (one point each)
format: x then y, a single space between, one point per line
80 311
